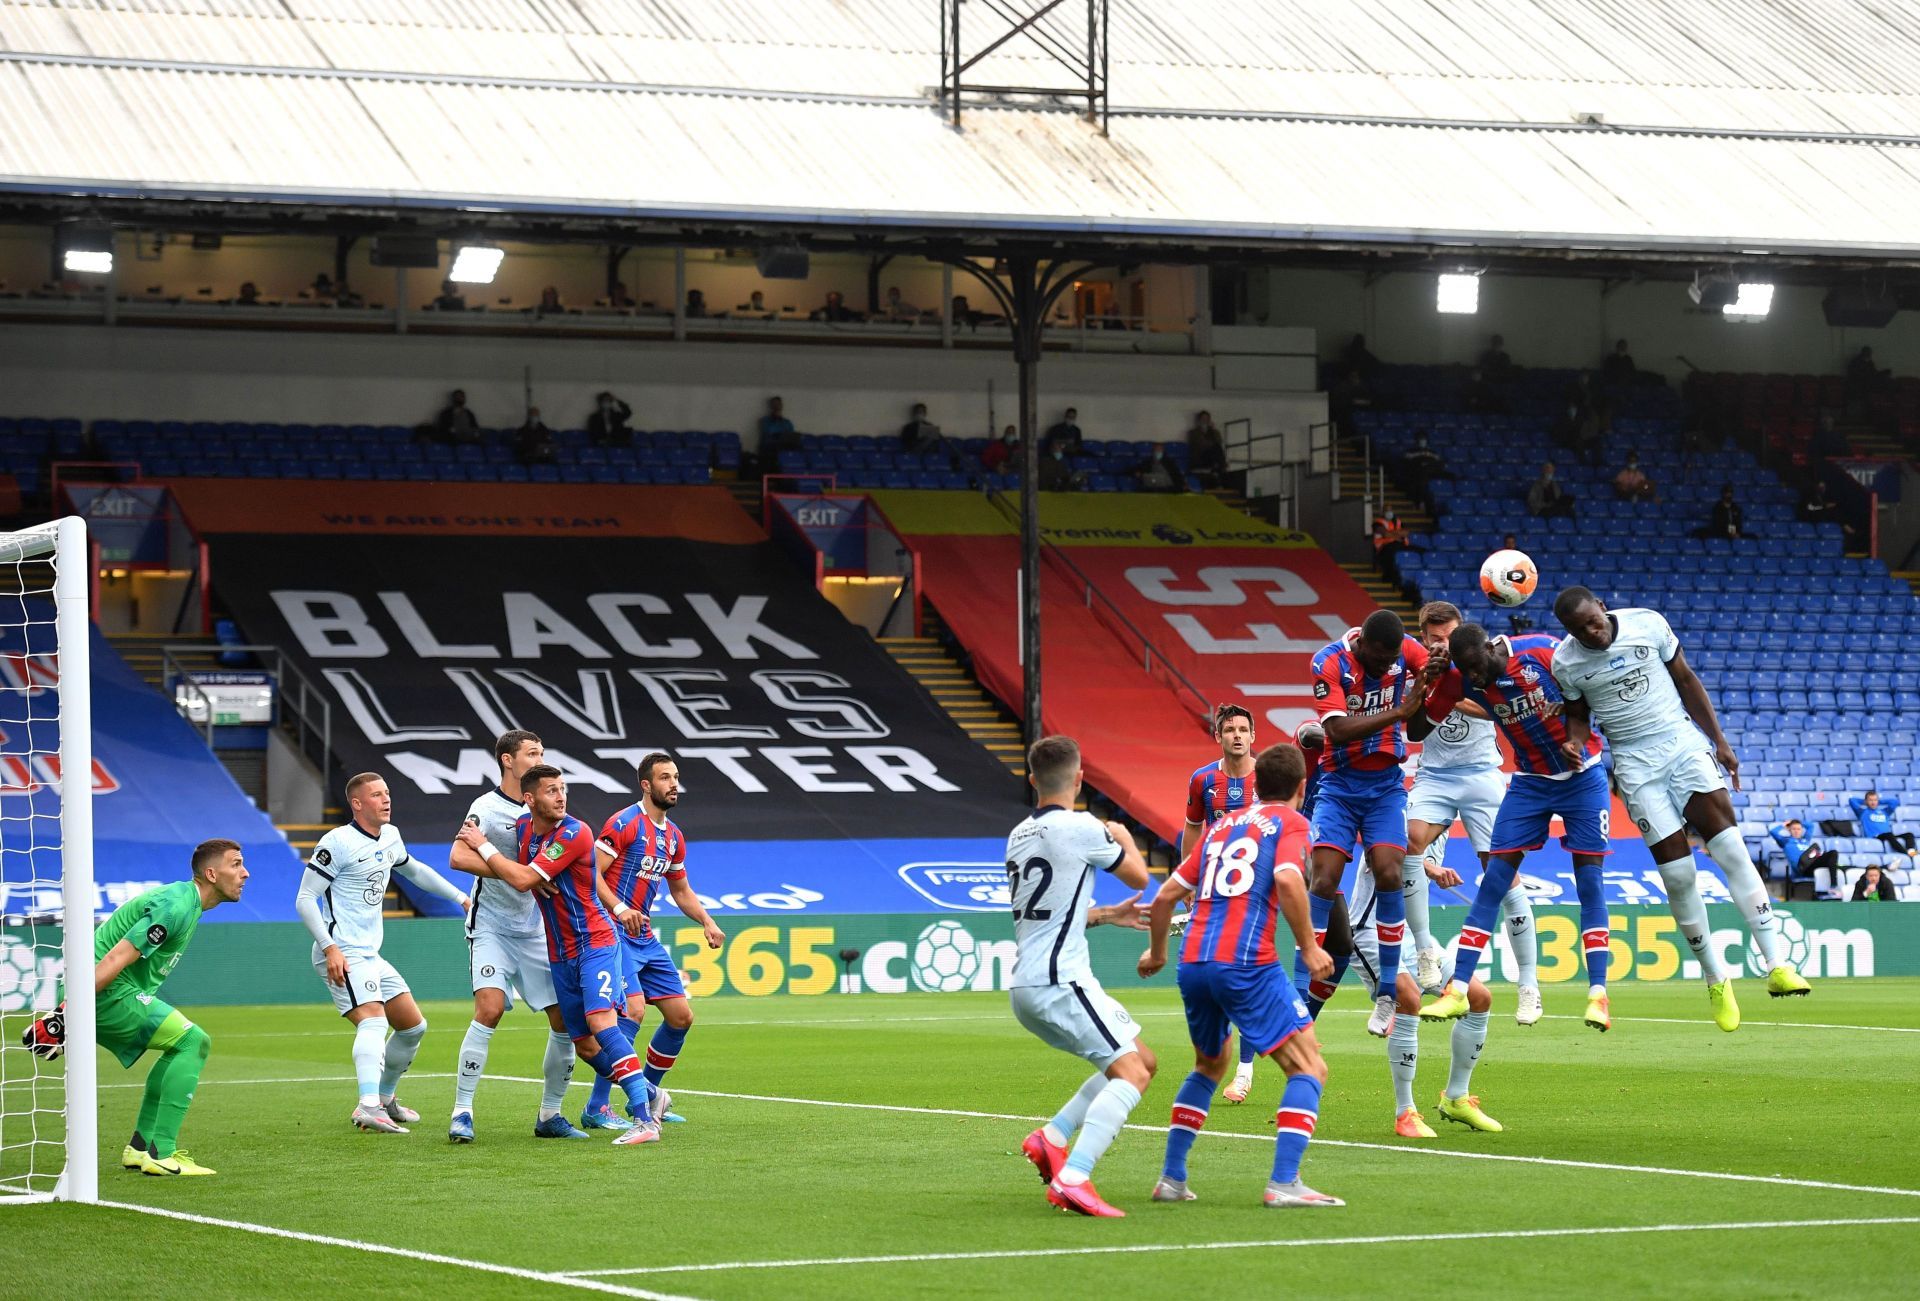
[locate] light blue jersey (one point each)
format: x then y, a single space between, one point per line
1627 685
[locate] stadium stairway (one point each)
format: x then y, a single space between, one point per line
933 663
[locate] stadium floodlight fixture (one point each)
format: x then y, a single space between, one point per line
86 249
1752 303
476 264
1459 294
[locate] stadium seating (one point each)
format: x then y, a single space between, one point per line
1766 621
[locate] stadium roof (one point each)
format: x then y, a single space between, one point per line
1730 126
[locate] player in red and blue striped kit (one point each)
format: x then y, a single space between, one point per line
1243 876
639 849
582 940
1366 687
1511 678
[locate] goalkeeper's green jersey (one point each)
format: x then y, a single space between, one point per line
158 923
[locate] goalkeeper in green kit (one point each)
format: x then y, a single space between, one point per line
134 951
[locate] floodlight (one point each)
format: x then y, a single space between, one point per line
1459 294
1753 301
476 264
87 249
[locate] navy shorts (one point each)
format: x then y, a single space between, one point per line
1260 1000
1582 802
648 968
1369 806
587 984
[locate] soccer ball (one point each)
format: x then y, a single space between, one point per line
1508 578
945 958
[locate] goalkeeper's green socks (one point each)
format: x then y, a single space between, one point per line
170 1086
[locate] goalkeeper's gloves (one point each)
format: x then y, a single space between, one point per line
46 1038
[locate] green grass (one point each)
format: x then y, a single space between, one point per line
762 1180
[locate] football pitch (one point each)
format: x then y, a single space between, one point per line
857 1146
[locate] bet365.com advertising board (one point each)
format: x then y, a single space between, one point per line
876 954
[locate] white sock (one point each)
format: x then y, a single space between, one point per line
369 1047
1104 1119
1403 1058
1522 940
1749 892
1469 1038
1413 885
1690 910
1067 1121
1243 1071
400 1050
473 1060
556 1071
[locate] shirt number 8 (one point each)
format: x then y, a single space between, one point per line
1229 868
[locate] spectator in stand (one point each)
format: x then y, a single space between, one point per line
533 442
1875 817
1056 475
1618 369
607 426
550 304
1065 434
457 423
835 309
963 313
1582 430
1632 483
757 304
696 304
249 295
1390 538
1874 885
450 299
920 435
1483 395
1157 473
1206 449
1357 357
1347 394
1817 506
1509 542
1728 519
1805 853
898 308
1828 441
619 297
1004 452
1546 498
1494 362
777 433
1416 470
323 290
1863 377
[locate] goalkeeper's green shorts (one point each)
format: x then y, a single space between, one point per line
129 1023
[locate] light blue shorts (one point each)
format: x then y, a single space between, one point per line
1472 795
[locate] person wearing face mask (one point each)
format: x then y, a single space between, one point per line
995 456
1632 483
608 423
1546 497
1055 474
1156 473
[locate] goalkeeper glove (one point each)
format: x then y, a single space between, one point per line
46 1038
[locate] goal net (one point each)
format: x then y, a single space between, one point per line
47 896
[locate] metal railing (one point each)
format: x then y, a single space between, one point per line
297 699
1091 593
1274 477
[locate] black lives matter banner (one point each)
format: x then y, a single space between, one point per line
788 722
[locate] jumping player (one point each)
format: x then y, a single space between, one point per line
507 949
1242 877
342 900
134 951
1459 777
1512 680
1051 859
582 941
638 849
1624 670
1366 687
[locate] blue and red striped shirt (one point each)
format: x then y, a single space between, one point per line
1341 686
644 855
1212 794
576 923
1234 873
1524 701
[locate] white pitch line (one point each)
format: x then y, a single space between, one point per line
1783 1181
1135 1248
382 1249
1791 1025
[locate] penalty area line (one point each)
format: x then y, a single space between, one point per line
382 1249
1132 1249
1787 1025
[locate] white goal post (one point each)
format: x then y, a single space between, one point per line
48 1109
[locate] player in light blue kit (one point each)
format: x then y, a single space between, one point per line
1623 671
1459 777
1051 861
